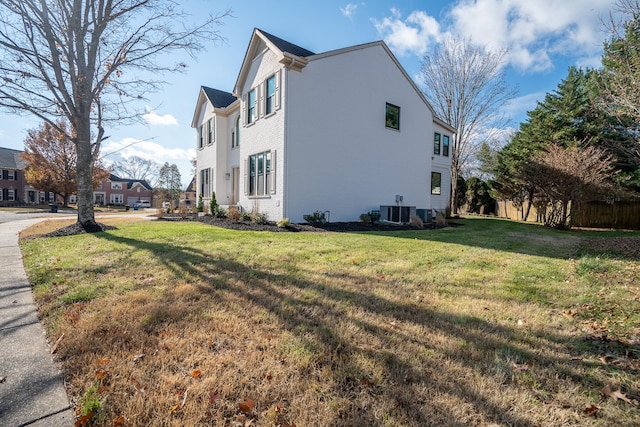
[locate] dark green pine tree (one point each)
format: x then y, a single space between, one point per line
568 116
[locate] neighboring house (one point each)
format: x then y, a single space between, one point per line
342 132
122 191
190 193
14 189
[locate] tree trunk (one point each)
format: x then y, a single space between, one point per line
86 215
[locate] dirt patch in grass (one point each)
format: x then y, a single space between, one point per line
628 247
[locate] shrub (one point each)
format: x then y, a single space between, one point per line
200 205
213 204
441 220
160 211
315 218
283 223
259 217
245 216
221 212
416 222
370 217
234 214
182 210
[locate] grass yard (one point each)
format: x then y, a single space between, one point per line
491 323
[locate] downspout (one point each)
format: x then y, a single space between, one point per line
284 157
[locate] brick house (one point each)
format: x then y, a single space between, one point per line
14 190
122 191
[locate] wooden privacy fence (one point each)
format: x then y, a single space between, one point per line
619 215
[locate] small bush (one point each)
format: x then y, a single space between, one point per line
245 216
370 217
221 212
183 211
234 214
441 220
283 223
160 212
260 217
200 205
416 222
315 218
213 205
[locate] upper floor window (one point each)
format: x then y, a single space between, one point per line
445 145
271 95
210 131
11 175
251 106
235 135
436 143
392 117
116 186
200 137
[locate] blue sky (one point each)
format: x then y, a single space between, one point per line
544 38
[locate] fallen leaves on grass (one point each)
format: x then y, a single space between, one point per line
103 361
247 406
591 410
617 394
196 373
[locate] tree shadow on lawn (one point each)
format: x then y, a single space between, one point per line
419 372
521 237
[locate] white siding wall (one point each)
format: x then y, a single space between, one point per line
206 156
264 134
442 164
340 157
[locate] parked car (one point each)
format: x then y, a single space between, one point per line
143 203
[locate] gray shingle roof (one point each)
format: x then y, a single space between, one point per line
10 159
130 182
219 98
285 46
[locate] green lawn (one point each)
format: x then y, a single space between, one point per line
491 322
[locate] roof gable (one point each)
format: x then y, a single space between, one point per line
217 98
290 55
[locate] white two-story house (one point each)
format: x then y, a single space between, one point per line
342 132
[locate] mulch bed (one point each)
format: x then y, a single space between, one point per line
77 228
271 226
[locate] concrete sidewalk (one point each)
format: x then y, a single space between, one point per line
31 387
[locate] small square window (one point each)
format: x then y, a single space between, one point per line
436 143
436 183
392 117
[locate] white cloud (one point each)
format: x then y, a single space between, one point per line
349 10
413 35
147 149
154 118
533 31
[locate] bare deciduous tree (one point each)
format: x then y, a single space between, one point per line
136 167
89 62
568 177
466 86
